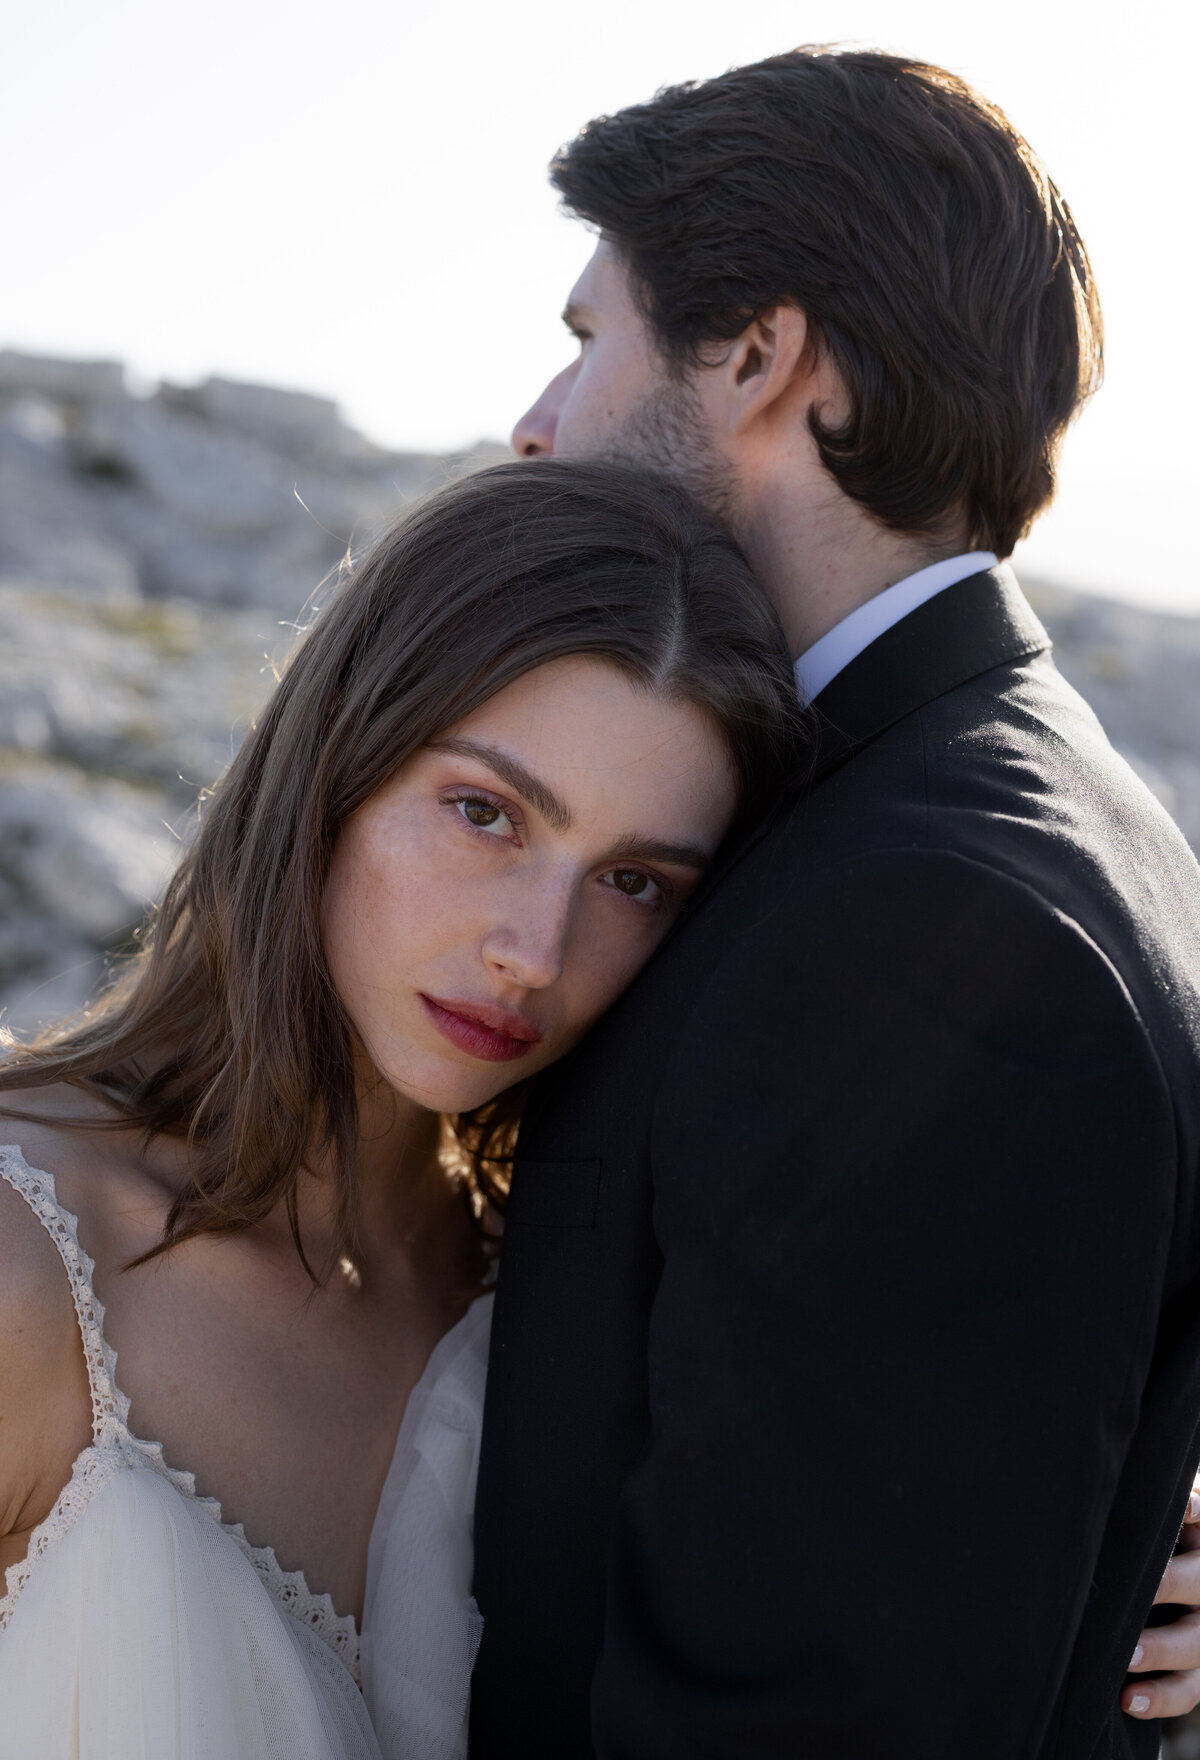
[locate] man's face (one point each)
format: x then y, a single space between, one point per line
617 399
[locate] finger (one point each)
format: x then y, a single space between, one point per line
1181 1580
1191 1515
1172 1696
1175 1647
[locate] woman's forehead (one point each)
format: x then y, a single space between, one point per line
595 741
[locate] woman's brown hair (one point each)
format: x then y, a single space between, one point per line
938 267
225 1028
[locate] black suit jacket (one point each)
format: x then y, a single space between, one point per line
844 1386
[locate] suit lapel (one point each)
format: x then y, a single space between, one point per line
982 622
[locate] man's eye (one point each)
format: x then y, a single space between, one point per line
484 815
634 884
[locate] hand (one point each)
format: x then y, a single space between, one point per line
1175 1647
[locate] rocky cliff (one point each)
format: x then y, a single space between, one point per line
156 556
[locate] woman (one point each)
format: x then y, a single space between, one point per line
481 794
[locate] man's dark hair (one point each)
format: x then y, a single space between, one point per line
935 261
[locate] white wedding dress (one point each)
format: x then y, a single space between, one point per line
139 1626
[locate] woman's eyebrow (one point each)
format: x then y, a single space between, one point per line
634 847
539 795
522 781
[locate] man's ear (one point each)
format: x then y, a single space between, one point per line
769 368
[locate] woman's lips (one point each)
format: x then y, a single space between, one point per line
483 1031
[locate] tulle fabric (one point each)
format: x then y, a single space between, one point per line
144 1633
140 1626
421 1627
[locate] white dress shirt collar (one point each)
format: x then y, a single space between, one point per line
847 639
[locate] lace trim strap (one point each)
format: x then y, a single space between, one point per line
110 1426
37 1189
291 1590
92 1470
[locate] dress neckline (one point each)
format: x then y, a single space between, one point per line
114 1442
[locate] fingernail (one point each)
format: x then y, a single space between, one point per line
1137 1656
1194 1507
1139 1702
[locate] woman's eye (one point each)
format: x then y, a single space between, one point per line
632 883
484 815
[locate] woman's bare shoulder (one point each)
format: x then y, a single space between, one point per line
33 1280
41 1358
45 1404
103 1173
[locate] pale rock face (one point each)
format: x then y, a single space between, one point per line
227 494
53 527
62 381
157 555
293 422
36 420
197 472
69 976
160 692
81 860
94 853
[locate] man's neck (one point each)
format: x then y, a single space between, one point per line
821 561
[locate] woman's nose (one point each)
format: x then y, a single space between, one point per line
528 946
533 436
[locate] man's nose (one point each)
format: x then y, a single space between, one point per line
528 947
533 436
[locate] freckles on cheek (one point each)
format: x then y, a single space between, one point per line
410 905
601 975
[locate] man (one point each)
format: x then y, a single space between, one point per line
845 1373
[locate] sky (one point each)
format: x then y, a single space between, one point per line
352 199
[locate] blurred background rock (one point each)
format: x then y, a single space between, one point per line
157 556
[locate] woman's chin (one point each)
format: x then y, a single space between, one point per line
442 1086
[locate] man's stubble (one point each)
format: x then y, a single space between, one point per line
666 432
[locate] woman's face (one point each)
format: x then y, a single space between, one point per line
493 898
